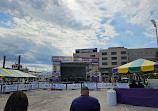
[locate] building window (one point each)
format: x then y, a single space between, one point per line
114 63
113 58
123 58
104 63
104 58
92 55
123 52
113 53
104 53
122 63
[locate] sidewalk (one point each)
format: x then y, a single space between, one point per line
47 100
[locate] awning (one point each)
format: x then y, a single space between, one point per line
4 73
139 65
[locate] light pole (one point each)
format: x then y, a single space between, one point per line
154 22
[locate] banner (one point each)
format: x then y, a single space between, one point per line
61 58
105 85
121 85
33 86
86 50
23 87
59 86
73 86
9 88
90 86
45 86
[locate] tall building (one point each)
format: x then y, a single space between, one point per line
112 57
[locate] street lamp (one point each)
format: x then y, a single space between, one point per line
154 22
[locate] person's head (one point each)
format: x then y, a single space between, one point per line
85 91
18 101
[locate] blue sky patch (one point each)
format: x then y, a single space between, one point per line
104 20
4 18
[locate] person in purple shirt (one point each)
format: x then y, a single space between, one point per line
85 102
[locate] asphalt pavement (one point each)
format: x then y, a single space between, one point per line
50 100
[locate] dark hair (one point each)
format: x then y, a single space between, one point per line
84 88
133 81
18 101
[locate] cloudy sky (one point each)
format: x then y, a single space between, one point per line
39 29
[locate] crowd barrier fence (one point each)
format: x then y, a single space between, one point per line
44 85
9 88
73 86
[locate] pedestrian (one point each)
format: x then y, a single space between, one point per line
146 82
85 102
18 101
140 85
133 84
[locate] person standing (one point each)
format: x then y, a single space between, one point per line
133 84
146 82
85 102
18 101
140 85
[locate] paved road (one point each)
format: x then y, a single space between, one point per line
47 100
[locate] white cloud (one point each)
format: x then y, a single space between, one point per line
149 35
38 67
58 27
129 33
30 66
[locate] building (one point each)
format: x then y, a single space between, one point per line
145 53
116 56
16 66
112 57
104 60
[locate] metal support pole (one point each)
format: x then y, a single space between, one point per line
156 36
155 25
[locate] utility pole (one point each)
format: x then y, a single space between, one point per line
19 62
155 25
4 61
